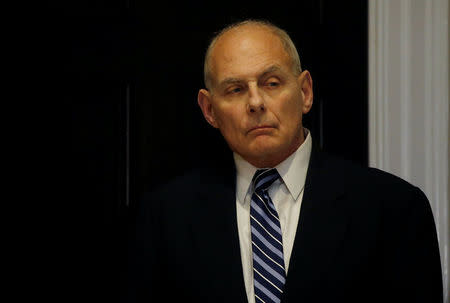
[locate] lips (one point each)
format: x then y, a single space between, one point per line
260 127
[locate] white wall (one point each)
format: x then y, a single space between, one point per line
409 101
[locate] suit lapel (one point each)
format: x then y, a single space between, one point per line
222 235
235 290
320 229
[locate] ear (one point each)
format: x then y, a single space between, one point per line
306 86
204 101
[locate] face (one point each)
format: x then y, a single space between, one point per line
256 100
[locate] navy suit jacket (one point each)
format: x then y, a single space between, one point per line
363 236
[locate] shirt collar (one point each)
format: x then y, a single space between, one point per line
292 170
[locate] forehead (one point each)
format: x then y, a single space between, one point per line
246 51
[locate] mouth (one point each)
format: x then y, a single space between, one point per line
260 128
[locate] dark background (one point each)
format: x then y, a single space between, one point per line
133 72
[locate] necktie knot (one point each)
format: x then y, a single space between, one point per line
263 178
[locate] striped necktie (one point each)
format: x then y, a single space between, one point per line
269 274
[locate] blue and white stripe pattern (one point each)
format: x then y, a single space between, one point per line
269 273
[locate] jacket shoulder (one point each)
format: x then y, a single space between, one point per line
373 182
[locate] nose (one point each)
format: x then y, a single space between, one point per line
255 101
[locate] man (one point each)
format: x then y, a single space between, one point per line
283 222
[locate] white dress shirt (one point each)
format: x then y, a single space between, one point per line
286 194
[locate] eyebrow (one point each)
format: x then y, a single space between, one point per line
230 80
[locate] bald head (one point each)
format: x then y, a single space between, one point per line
249 25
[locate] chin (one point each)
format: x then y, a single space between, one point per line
265 145
265 153
262 151
269 153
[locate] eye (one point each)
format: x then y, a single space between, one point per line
272 83
235 90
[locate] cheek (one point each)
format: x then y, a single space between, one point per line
291 110
229 119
